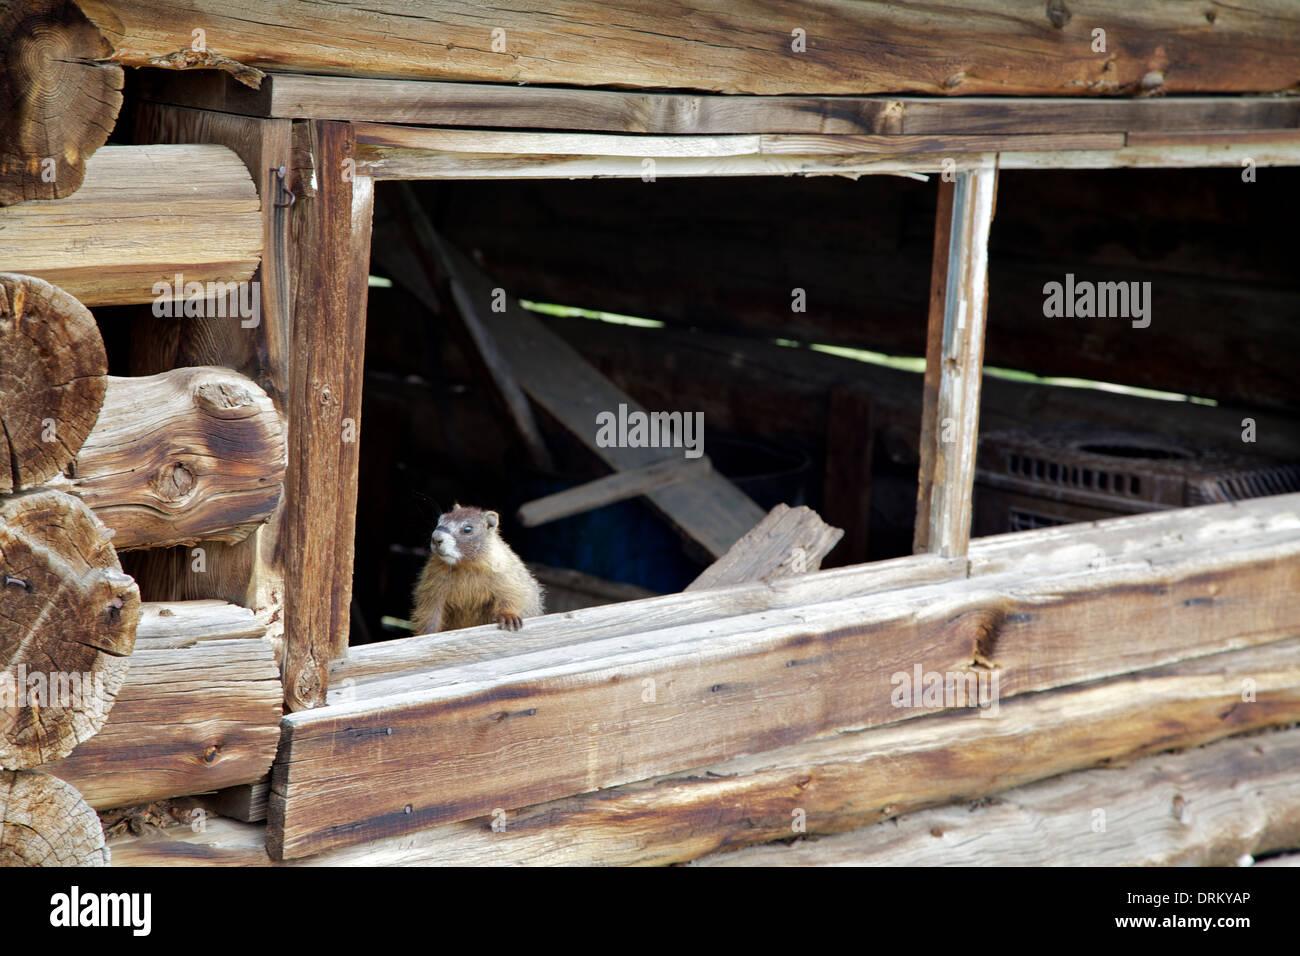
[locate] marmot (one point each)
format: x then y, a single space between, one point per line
472 577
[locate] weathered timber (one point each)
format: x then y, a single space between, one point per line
182 623
789 541
61 100
187 720
1206 807
52 379
376 664
954 357
841 782
619 486
188 455
67 626
504 106
383 162
578 719
45 822
568 590
952 47
331 243
710 511
144 215
250 573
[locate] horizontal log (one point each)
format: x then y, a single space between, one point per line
847 781
1214 806
434 103
575 719
143 215
187 720
951 47
184 456
182 623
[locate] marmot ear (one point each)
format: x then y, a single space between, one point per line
455 505
492 519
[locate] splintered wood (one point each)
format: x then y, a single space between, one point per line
788 541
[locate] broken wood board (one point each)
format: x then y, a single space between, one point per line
166 624
841 782
619 486
603 713
710 511
1214 806
787 542
187 720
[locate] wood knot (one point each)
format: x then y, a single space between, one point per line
210 754
1058 13
222 396
175 482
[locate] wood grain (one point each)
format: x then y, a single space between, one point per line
188 455
187 720
143 214
789 541
949 47
45 822
1211 806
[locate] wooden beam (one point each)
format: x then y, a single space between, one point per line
619 486
954 362
143 215
1206 807
506 106
187 720
840 783
331 247
789 541
952 47
188 455
710 511
45 822
182 623
371 766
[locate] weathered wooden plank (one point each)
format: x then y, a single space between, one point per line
954 362
949 47
789 541
187 455
608 712
846 781
246 802
331 245
619 486
187 720
570 144
1212 806
182 623
710 511
143 215
391 163
815 144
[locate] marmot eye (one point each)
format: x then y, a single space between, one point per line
468 529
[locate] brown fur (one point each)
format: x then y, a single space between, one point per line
487 581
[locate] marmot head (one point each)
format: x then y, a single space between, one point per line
462 534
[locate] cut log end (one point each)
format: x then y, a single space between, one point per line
63 103
45 822
52 379
69 616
